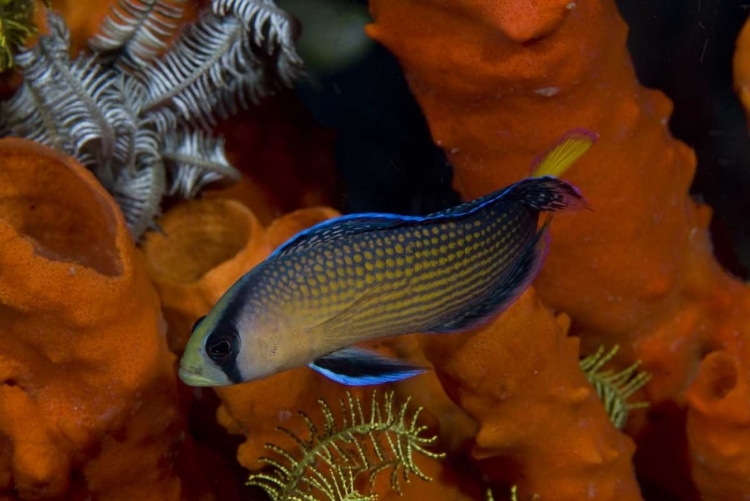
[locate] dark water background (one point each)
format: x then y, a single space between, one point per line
683 47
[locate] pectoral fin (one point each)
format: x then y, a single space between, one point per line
358 367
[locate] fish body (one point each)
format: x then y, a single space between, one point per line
367 276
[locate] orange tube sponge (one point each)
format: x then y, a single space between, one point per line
205 246
741 67
718 427
499 82
541 424
87 390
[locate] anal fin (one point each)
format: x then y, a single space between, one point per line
358 367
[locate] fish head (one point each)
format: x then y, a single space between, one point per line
210 354
229 349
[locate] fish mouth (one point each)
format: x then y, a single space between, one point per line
195 378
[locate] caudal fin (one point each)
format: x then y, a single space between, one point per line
563 154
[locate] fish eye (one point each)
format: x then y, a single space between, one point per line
197 323
222 344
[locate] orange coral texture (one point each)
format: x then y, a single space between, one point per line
741 67
501 81
88 401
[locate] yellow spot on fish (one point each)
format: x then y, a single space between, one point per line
331 273
379 253
380 276
360 271
400 261
369 266
357 258
435 230
370 279
477 223
390 262
418 267
368 255
401 238
399 248
434 240
380 264
461 242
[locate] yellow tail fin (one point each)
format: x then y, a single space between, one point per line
569 149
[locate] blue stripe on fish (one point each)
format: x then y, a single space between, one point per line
355 366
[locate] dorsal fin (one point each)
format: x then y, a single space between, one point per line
340 227
553 163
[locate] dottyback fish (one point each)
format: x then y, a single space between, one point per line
362 277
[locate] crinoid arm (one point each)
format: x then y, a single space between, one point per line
614 389
76 105
195 159
138 110
217 66
135 31
273 30
328 464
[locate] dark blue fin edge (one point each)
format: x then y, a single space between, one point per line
358 367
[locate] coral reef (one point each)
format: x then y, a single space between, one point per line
88 400
718 426
190 281
511 387
498 82
625 367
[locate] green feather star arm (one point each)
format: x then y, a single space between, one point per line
333 458
614 389
16 26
